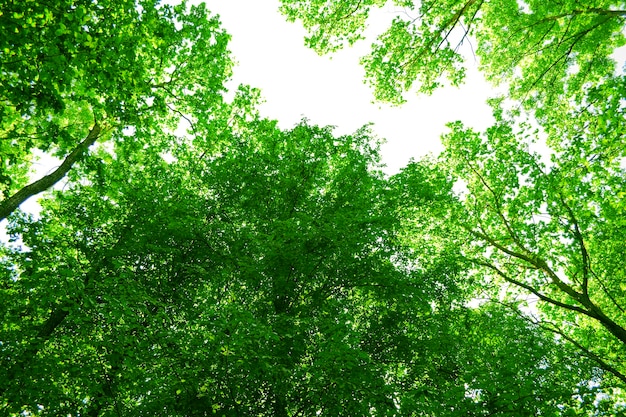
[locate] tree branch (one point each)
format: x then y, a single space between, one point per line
353 11
591 10
590 310
586 263
533 290
536 262
498 207
9 205
450 24
551 327
604 365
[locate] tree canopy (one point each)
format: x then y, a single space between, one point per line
74 72
541 205
200 260
271 278
545 51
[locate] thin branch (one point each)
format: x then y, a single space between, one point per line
539 264
563 57
607 293
551 327
183 116
539 41
533 290
353 11
592 310
482 235
467 30
591 10
496 197
581 243
451 23
604 365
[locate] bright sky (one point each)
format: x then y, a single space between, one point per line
329 90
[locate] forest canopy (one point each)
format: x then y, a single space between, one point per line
233 267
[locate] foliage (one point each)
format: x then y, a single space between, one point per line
271 277
548 230
73 72
541 213
241 269
543 49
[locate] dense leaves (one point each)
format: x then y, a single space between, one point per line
540 212
243 269
270 278
549 229
72 72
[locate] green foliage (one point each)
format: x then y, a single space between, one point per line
69 66
544 226
332 25
548 230
273 276
242 269
544 50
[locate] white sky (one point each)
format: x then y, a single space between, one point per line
329 90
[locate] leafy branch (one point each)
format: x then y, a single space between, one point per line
9 205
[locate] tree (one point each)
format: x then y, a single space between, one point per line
239 269
532 227
544 50
548 230
75 72
275 275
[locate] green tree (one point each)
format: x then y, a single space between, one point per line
243 269
549 230
543 49
532 227
73 72
275 275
